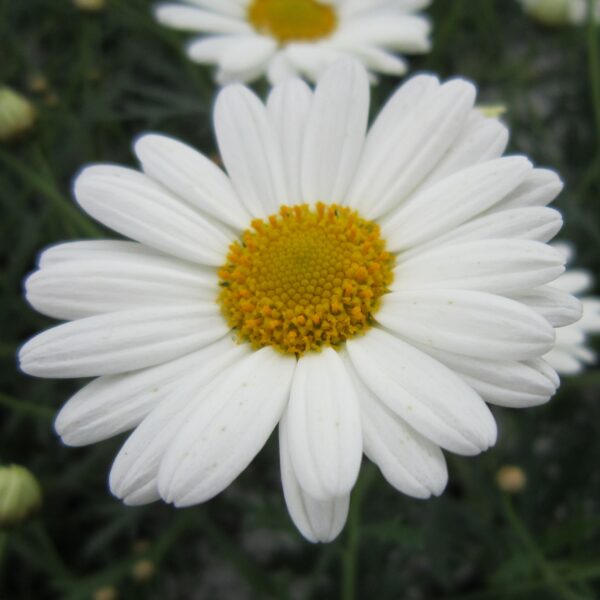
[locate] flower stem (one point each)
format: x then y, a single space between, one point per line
350 555
23 406
552 578
47 188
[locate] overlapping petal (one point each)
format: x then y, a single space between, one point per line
226 428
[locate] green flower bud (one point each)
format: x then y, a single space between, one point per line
549 12
17 115
20 496
90 5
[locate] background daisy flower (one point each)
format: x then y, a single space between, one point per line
281 38
367 290
571 353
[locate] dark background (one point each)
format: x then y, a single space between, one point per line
116 74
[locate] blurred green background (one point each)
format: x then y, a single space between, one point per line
115 74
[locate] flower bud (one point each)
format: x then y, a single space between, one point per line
108 592
143 570
548 12
90 5
511 479
20 496
17 115
38 84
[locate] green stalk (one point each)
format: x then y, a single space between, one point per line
553 580
67 210
350 555
23 406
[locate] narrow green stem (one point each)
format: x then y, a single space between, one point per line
42 412
553 580
49 191
594 65
252 572
3 545
54 559
350 555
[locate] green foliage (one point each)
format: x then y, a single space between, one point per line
115 74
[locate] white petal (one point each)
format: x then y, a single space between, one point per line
325 431
189 18
132 204
312 60
482 140
493 265
411 148
289 105
453 201
227 428
372 57
401 32
564 361
423 392
191 176
83 288
247 54
232 8
251 150
409 462
505 383
537 223
467 322
335 132
280 68
208 50
351 8
318 521
558 307
241 76
122 341
590 320
540 188
135 469
574 281
115 403
398 108
94 249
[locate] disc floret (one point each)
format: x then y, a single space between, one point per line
293 20
305 278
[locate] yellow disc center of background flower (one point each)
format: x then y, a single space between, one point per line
292 20
305 278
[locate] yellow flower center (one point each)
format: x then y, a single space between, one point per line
292 20
305 278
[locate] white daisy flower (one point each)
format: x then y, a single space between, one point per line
561 12
571 354
246 39
368 291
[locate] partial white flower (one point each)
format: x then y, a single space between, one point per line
571 353
561 12
368 290
246 39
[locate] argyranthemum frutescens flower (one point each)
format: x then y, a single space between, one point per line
248 38
360 289
571 354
